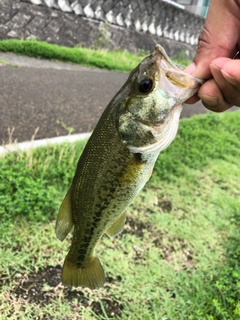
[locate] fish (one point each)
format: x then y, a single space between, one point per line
139 122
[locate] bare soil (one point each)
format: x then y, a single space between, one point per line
43 287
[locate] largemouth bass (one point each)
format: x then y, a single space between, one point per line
140 121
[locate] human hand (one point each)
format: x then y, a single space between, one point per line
219 41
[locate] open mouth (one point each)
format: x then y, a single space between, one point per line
173 73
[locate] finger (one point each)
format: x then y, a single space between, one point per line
227 81
226 73
193 99
219 36
232 69
212 97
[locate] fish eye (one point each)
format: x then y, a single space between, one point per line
145 86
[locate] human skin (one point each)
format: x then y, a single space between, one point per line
216 59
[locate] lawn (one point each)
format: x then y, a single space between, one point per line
177 258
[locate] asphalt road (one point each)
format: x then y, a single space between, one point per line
46 99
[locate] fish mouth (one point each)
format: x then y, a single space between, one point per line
173 80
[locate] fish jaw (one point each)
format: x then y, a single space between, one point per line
163 133
174 83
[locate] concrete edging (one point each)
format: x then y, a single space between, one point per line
23 146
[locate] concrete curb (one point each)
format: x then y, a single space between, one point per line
23 146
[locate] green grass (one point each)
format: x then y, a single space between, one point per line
5 63
116 60
122 61
178 256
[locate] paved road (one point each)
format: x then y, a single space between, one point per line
55 97
51 96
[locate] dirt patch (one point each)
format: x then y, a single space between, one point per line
44 286
33 287
172 249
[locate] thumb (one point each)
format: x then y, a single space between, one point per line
219 36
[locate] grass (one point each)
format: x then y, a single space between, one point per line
122 61
177 258
4 63
117 60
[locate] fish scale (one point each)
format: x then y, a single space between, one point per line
139 122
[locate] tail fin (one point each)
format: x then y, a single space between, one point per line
90 275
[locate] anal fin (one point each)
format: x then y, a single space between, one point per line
117 226
64 222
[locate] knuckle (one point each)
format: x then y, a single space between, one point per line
204 40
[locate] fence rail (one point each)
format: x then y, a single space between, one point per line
149 16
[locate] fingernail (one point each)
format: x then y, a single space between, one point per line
209 101
191 68
229 78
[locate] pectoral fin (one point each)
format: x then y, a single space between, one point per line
117 226
64 222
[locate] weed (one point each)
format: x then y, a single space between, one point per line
103 40
69 130
6 63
